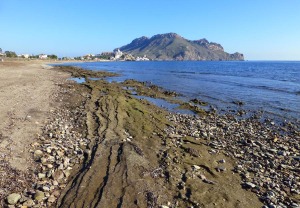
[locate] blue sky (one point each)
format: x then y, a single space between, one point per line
261 29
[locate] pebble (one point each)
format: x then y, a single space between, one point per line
220 168
13 198
249 185
37 154
67 173
29 203
39 195
196 167
58 175
51 199
50 166
41 175
46 189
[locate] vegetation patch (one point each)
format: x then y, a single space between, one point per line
78 72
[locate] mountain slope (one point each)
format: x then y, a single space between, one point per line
171 46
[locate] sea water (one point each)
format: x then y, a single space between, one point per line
272 87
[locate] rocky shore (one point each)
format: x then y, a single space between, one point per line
267 156
105 148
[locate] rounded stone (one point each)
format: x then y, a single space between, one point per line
13 198
29 203
49 166
41 175
37 154
39 195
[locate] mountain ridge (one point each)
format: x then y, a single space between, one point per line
171 46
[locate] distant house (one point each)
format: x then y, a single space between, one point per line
24 56
118 54
43 56
89 56
1 53
144 58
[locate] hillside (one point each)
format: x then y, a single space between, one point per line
172 46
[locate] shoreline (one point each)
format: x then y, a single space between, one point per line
143 156
269 106
241 169
196 105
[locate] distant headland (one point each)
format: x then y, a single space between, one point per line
171 46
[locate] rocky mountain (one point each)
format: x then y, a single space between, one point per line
172 46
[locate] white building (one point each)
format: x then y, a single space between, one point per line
24 56
89 56
43 56
118 54
1 53
144 58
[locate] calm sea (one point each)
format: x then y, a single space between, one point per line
271 87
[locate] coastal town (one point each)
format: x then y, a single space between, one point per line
115 55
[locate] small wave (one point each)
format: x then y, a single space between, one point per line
195 72
252 86
183 72
278 90
261 87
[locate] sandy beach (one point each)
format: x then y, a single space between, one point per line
26 100
27 91
95 145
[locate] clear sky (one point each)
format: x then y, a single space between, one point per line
261 29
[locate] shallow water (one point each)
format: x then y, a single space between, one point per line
165 104
77 79
271 87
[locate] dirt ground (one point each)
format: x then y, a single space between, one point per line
25 101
